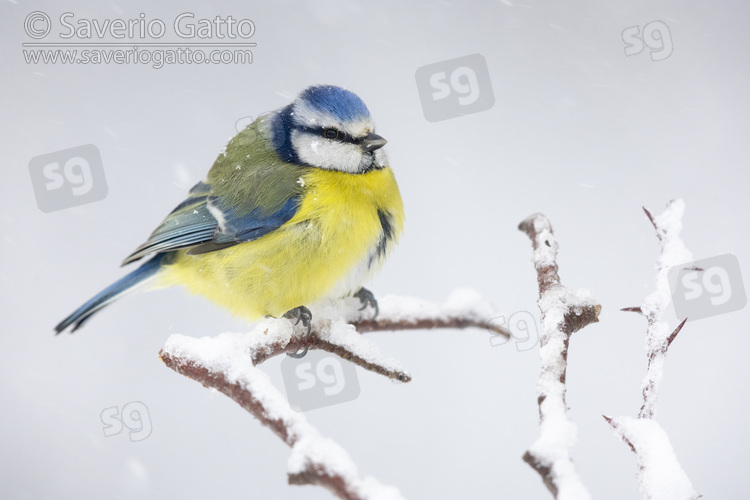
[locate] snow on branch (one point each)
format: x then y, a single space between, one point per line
334 336
464 308
563 313
672 252
222 363
228 362
660 475
659 472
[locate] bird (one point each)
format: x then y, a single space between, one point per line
300 206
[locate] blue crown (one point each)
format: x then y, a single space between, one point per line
340 103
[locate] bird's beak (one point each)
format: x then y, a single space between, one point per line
371 142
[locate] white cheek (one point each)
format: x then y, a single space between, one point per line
326 154
380 158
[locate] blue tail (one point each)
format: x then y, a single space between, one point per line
109 294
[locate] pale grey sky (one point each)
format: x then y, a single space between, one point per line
578 131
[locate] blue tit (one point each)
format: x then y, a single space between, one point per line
300 206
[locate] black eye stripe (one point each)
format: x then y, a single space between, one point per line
337 135
327 132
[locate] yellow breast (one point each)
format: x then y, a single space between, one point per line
329 248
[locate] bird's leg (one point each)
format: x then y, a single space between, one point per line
366 298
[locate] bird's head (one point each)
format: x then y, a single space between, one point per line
328 127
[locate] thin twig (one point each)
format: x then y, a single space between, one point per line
313 341
672 251
383 325
658 468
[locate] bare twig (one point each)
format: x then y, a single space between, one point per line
636 309
674 333
563 313
658 469
382 325
314 341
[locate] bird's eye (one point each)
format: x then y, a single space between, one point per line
331 133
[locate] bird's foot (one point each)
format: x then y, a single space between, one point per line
301 314
366 298
304 315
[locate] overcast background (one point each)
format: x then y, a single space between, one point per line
578 131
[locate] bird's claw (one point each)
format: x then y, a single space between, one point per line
304 315
366 298
301 314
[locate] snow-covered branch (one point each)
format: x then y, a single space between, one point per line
222 363
228 363
563 313
464 308
660 474
332 335
672 252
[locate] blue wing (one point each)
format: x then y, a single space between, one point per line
205 223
